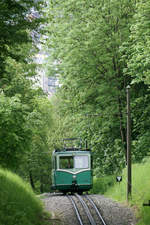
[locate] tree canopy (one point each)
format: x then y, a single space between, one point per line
96 48
20 28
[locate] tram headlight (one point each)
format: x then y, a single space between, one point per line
74 176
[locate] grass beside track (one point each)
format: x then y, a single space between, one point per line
140 190
18 204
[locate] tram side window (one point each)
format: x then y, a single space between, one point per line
66 162
55 162
81 162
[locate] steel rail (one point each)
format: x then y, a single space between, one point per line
96 209
76 210
89 215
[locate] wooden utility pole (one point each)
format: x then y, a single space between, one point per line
129 178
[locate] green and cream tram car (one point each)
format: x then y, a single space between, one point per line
72 170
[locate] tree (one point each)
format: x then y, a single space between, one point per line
19 21
20 28
36 163
14 133
85 42
139 44
135 52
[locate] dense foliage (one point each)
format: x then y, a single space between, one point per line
36 164
18 204
136 55
98 49
25 112
19 23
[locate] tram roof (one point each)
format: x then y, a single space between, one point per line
72 150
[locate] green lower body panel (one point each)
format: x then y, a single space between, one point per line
65 181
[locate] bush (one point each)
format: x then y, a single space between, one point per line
18 203
100 185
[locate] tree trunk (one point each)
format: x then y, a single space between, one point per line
31 180
41 185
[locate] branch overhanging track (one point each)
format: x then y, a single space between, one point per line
87 210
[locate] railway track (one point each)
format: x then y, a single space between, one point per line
86 211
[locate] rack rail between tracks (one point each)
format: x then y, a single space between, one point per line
87 205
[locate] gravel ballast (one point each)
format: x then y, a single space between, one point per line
113 213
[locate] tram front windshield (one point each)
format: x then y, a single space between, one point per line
81 162
77 162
